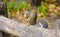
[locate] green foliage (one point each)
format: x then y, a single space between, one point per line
24 5
39 8
5 0
43 9
11 6
15 5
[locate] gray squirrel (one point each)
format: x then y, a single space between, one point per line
30 16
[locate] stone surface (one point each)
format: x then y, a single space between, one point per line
57 25
3 9
19 29
43 23
1 34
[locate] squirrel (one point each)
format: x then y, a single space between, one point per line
30 16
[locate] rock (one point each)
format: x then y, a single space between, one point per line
57 27
3 9
20 30
57 24
1 34
10 26
43 23
43 32
0 0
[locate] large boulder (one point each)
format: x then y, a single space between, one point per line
57 29
21 30
1 34
43 23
